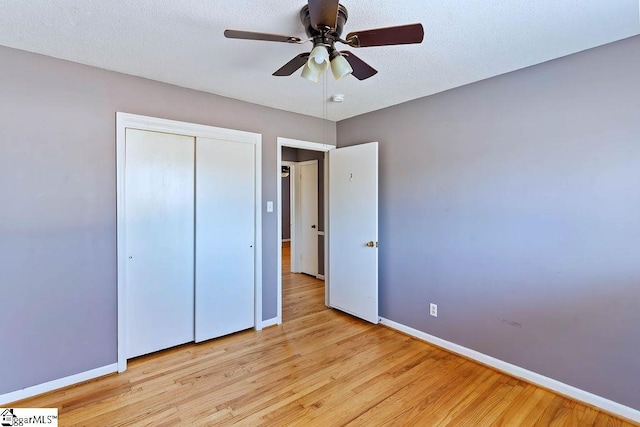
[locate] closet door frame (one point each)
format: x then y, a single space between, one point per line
153 124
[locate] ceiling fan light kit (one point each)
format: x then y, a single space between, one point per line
317 63
320 56
324 21
310 74
340 66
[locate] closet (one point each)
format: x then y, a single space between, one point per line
189 239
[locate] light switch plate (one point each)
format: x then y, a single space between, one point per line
269 206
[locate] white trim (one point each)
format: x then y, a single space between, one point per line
524 374
305 145
286 240
157 124
126 120
14 396
320 276
279 229
257 269
271 322
121 129
327 225
307 162
320 233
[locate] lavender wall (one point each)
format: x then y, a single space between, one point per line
514 204
286 208
288 154
58 204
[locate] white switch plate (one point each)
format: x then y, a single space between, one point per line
269 206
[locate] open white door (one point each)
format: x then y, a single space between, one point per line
353 230
307 239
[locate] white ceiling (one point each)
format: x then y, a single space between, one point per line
182 42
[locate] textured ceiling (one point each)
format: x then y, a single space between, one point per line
181 42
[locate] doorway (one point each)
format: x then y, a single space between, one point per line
300 214
286 156
352 269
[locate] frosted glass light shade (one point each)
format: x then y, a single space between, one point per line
310 74
319 59
340 67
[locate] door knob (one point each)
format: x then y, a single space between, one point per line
370 244
313 226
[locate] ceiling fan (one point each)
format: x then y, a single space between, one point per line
324 21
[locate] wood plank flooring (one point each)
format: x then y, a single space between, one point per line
319 368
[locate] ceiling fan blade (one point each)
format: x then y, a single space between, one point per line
293 65
323 13
249 35
403 34
361 70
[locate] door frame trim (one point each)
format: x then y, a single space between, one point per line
154 124
305 145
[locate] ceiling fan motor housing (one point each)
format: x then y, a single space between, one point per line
324 36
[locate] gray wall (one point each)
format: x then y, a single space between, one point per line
291 155
514 204
58 204
304 156
286 208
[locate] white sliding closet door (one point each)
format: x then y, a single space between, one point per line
159 212
225 237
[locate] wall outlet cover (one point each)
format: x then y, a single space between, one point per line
433 309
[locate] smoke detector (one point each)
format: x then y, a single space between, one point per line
337 98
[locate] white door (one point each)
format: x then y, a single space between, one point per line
225 237
353 230
308 237
159 209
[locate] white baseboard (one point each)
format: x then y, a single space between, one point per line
564 389
56 384
320 276
271 322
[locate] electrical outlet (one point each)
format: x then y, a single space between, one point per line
433 309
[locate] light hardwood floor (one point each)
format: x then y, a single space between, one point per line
320 367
